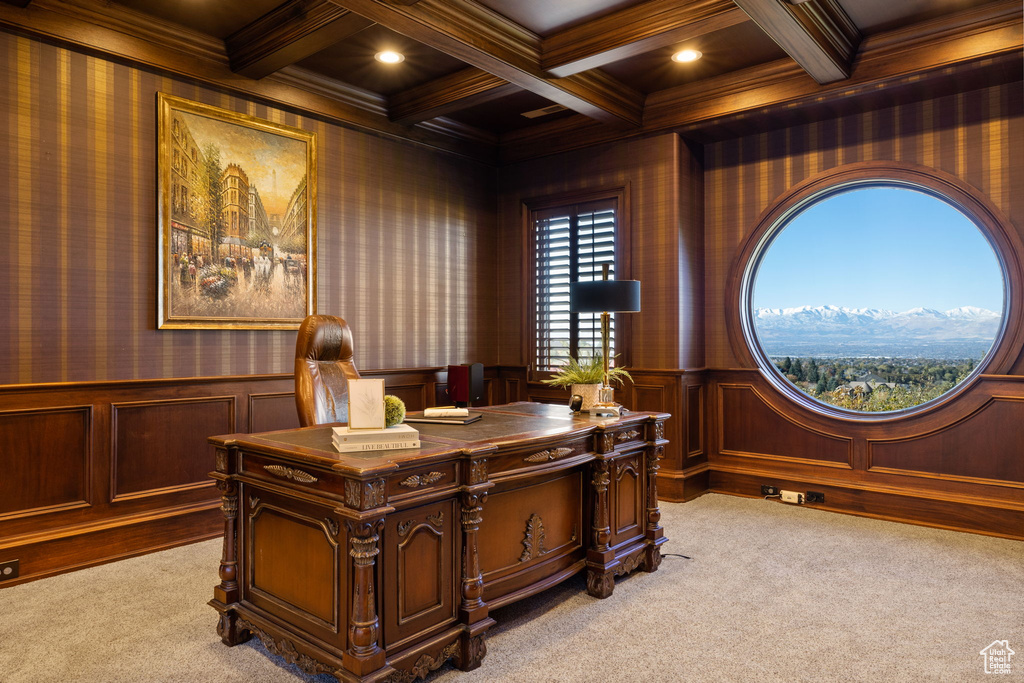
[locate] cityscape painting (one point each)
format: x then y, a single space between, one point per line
237 207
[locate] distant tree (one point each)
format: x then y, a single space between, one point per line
812 370
798 370
787 365
215 197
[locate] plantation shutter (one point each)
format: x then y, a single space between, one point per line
570 244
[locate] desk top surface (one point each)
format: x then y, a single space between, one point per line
514 423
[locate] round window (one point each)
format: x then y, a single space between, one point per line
876 296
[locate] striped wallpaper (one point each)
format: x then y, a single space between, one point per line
977 136
664 240
405 235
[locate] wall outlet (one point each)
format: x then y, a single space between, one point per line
814 497
792 497
769 490
9 570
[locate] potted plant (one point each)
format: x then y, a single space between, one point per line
585 377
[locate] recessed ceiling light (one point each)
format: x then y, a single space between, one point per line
687 56
389 57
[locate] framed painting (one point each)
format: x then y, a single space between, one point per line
237 211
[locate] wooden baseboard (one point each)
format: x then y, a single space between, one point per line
990 517
680 486
50 554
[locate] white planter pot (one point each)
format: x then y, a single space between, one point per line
591 394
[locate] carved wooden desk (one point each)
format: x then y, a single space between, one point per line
383 566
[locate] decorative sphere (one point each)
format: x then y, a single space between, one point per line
394 410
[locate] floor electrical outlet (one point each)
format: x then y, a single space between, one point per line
769 490
9 570
814 497
792 497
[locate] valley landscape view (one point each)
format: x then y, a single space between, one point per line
875 360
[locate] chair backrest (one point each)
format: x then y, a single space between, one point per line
323 367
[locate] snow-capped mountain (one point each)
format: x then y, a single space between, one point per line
833 322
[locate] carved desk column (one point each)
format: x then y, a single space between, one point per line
600 581
226 593
654 532
472 608
364 655
600 557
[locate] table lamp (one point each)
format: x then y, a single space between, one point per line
605 296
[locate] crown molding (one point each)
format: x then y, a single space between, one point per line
118 33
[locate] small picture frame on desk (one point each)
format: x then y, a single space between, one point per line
366 404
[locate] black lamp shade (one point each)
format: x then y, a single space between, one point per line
599 296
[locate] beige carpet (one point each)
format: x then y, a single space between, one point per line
772 593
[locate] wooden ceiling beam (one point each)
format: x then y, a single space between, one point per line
634 30
486 40
886 60
981 45
444 95
291 32
817 34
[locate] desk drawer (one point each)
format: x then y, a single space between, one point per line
537 456
420 480
297 477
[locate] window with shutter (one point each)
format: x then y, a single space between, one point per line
571 243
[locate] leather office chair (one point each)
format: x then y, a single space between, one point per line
323 367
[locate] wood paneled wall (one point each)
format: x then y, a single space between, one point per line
663 181
662 177
406 235
957 466
104 418
98 471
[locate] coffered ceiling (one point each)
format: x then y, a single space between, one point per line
600 68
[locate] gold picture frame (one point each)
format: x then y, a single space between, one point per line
237 215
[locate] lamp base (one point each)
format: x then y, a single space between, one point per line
607 409
606 404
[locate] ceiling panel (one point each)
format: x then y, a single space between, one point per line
218 19
655 70
872 16
505 114
352 62
548 16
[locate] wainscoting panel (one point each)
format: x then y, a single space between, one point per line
988 445
751 427
44 460
160 446
271 412
694 402
959 465
98 471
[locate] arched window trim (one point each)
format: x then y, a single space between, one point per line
973 203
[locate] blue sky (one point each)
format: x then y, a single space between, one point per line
877 247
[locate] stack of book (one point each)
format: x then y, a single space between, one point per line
352 440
